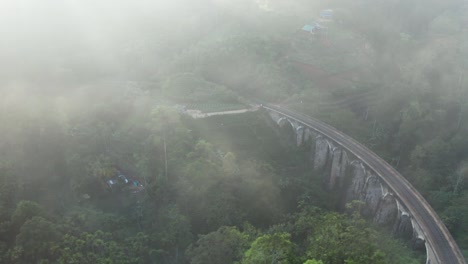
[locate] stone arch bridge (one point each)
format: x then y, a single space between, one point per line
362 175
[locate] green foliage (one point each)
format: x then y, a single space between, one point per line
88 220
173 229
36 241
8 188
225 245
230 166
274 248
190 88
97 247
25 210
170 137
313 261
337 238
455 215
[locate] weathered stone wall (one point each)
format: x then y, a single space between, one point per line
322 148
349 176
387 211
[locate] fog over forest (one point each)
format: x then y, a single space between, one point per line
132 131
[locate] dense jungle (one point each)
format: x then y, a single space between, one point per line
108 152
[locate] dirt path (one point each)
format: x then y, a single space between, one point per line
198 114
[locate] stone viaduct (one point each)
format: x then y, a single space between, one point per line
360 174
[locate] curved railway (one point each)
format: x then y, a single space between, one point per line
438 239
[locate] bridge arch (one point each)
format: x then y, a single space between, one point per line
287 128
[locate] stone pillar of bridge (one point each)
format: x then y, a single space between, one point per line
339 168
330 180
298 131
430 255
308 135
418 241
285 123
372 194
344 169
358 180
322 149
296 126
387 211
299 135
403 226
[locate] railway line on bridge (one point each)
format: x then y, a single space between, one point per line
441 248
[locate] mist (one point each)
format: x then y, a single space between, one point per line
82 40
133 131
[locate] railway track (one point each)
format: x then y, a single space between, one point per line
438 238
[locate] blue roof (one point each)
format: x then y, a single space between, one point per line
311 27
326 13
308 28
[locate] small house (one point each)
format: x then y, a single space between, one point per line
312 28
123 182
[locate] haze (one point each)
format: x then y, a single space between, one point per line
134 131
